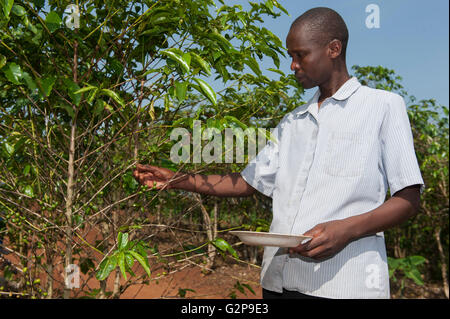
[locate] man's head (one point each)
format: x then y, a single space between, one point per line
317 43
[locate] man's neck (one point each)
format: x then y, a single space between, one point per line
330 87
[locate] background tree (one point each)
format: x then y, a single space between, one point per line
81 105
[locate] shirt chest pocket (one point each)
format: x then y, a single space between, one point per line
345 154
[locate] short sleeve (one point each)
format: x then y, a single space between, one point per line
397 147
261 172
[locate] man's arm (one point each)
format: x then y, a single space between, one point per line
331 237
400 207
230 185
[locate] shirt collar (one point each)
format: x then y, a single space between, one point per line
343 93
347 89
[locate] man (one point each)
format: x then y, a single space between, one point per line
328 174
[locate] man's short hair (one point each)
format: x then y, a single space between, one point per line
326 25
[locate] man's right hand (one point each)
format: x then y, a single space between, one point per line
153 176
229 185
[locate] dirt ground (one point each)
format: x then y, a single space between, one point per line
219 284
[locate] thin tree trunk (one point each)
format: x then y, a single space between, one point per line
216 208
49 275
116 289
437 236
69 207
102 293
70 183
209 232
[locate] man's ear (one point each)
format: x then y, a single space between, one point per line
334 48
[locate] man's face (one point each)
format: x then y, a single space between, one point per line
310 61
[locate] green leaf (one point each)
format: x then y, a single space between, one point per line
141 260
121 261
220 39
181 60
99 107
29 81
276 71
85 89
86 264
414 274
129 259
7 6
232 119
9 149
223 245
13 73
140 247
417 260
253 65
239 287
72 88
180 90
207 91
18 10
92 95
2 61
279 6
269 5
26 169
182 291
203 64
108 265
53 21
47 85
122 240
113 95
29 191
249 288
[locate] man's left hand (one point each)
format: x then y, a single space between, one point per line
328 239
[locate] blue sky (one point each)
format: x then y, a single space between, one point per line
413 40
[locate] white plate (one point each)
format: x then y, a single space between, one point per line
269 239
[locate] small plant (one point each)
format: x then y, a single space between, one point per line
241 288
182 292
223 246
409 266
124 257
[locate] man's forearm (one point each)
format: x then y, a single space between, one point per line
396 210
230 185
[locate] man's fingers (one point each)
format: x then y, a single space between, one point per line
306 247
146 168
149 169
313 243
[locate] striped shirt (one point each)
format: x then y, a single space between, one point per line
328 165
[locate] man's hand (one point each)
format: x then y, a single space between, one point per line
153 176
328 239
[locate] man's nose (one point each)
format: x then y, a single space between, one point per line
294 65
